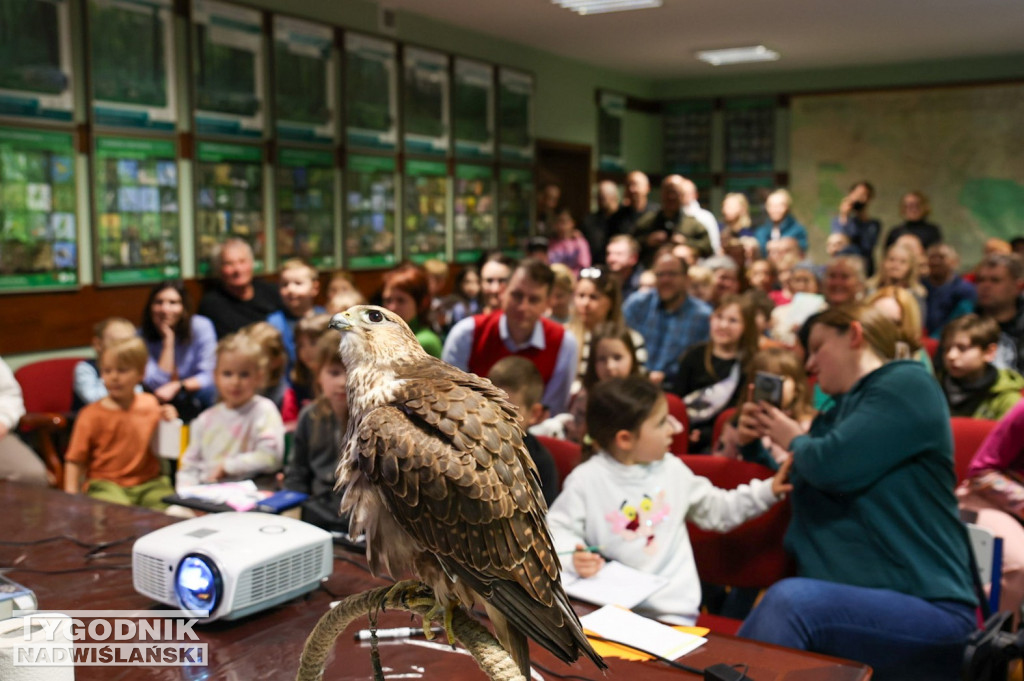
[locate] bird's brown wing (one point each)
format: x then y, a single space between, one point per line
448 458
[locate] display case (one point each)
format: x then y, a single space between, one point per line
369 235
473 109
35 59
132 63
426 211
38 205
473 222
305 206
515 208
426 113
228 200
686 131
228 61
750 134
611 110
305 80
515 115
371 92
138 230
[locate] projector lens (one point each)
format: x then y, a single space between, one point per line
198 584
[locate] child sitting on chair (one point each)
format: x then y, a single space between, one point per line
242 436
632 501
110 455
88 384
522 382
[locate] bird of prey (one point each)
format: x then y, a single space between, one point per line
438 479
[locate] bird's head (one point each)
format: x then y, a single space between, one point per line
373 334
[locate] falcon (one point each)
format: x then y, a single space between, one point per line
438 479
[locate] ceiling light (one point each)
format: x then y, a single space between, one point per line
584 7
737 55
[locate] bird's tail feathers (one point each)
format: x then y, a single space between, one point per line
513 640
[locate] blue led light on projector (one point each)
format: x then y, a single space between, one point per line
198 584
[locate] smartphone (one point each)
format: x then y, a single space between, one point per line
768 388
281 501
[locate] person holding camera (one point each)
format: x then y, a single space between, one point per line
853 221
881 555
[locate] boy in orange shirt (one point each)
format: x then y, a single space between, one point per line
110 455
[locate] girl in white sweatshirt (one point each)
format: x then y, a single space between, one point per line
632 499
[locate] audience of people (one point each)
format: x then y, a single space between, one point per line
519 328
573 343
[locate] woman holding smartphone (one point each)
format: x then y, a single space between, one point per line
881 554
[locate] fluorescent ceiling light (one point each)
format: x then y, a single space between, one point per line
584 7
737 55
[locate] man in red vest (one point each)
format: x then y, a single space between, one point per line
476 343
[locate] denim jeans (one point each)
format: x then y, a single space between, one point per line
900 636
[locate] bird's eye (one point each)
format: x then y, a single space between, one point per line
375 316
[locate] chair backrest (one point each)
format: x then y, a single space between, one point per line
567 454
720 422
930 345
46 385
681 442
751 555
968 434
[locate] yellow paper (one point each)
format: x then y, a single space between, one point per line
605 649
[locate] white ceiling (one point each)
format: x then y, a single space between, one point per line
810 34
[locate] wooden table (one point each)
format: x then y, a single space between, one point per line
267 645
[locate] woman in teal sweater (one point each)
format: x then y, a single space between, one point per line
881 555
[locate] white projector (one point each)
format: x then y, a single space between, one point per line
231 564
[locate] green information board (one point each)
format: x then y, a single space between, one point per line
515 115
474 221
227 56
515 207
229 200
370 212
473 109
38 231
426 211
132 49
425 89
35 59
137 222
371 92
305 205
305 75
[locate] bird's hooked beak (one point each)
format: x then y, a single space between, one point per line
340 322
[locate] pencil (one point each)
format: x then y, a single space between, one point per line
591 549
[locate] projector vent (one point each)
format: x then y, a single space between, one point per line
267 581
150 575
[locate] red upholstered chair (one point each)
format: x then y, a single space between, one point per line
566 453
930 345
968 434
46 389
681 442
751 556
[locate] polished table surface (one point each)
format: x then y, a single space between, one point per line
267 645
